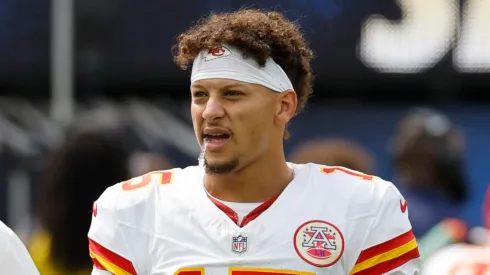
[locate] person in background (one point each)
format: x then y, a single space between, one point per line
100 149
428 155
334 152
460 259
14 258
88 162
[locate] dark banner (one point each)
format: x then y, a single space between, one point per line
374 47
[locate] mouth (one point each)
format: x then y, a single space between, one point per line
215 140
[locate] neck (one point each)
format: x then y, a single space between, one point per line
257 182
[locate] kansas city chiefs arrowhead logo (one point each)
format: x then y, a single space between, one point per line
216 53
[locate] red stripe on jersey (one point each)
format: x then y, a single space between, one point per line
228 211
250 216
386 246
257 211
111 257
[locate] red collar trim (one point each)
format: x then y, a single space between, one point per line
250 216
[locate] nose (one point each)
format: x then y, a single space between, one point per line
213 110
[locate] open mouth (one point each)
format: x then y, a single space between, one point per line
216 138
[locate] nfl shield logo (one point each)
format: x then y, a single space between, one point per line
239 244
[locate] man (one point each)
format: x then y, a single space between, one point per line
14 258
70 187
428 158
245 210
464 258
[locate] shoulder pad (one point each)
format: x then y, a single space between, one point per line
363 190
138 189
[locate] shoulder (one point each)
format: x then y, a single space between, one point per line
357 188
337 174
128 197
374 212
137 190
125 213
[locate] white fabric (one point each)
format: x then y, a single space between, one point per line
164 226
96 271
14 258
229 62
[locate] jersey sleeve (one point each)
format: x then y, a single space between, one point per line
14 258
389 246
110 247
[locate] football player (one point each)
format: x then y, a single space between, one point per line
245 210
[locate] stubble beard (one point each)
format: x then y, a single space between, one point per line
220 168
216 168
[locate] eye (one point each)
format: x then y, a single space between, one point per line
199 94
232 93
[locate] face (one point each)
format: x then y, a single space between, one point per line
237 121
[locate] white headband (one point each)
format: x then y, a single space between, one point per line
229 62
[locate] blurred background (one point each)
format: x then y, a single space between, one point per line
89 88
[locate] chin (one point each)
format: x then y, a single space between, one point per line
220 167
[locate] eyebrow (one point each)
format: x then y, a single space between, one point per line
196 86
231 86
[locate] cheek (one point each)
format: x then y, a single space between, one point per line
256 125
263 117
195 110
196 115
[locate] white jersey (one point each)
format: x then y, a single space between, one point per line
328 220
14 258
459 259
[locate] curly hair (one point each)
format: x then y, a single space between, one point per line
261 35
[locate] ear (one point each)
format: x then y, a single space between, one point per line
286 107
